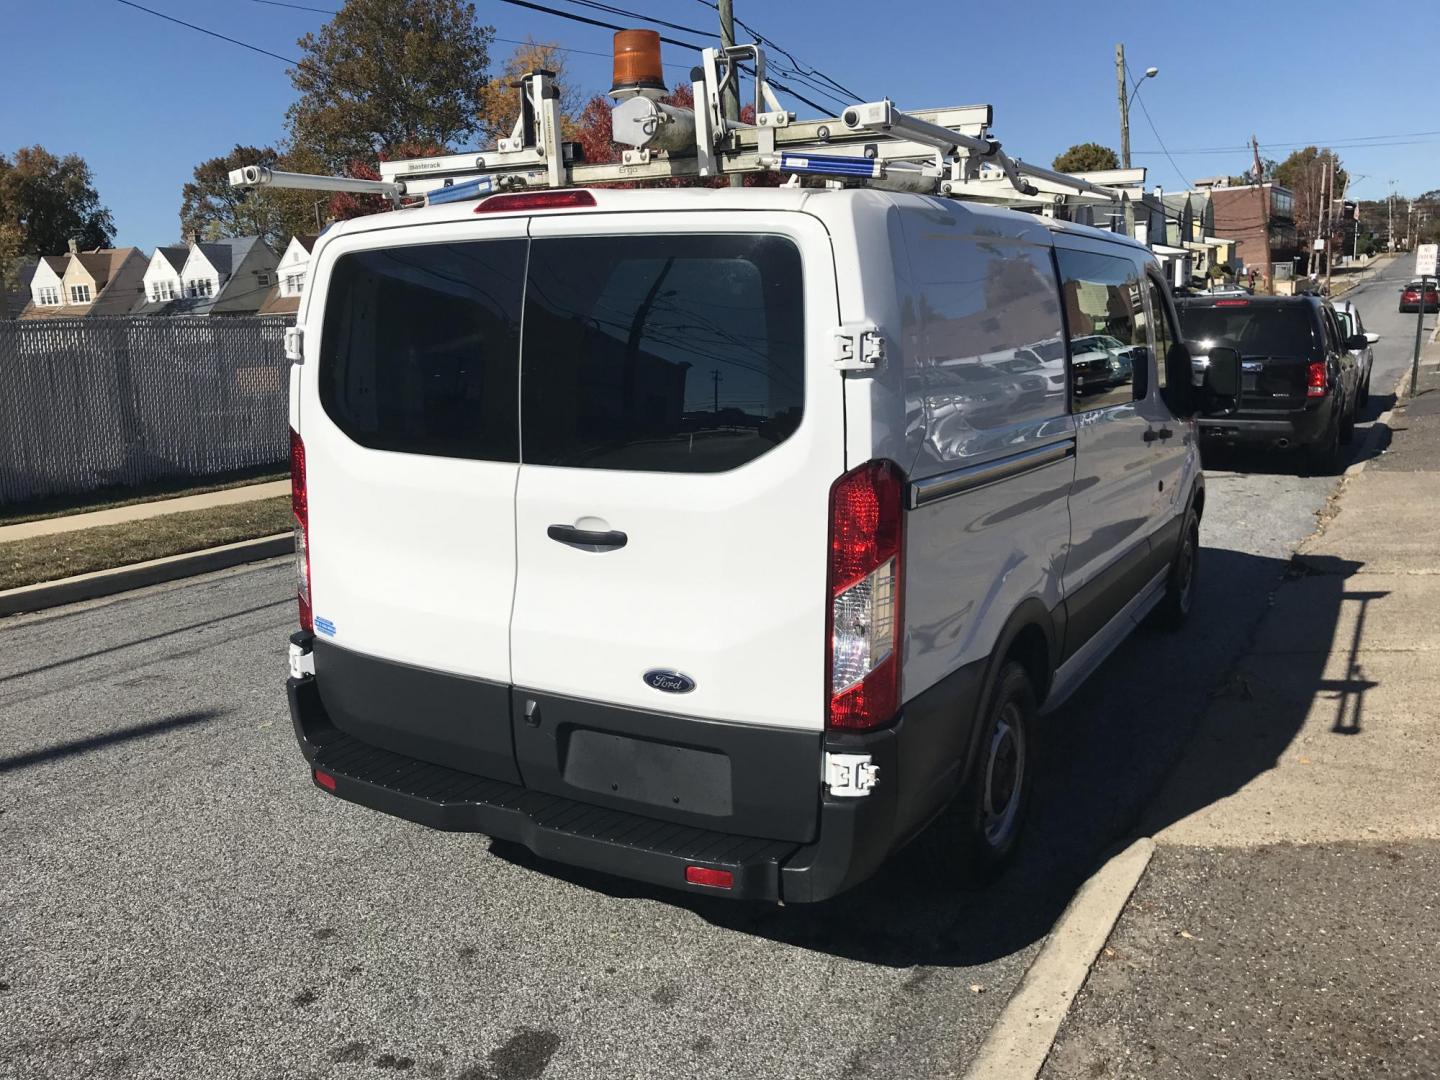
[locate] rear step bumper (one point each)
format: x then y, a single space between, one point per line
853 836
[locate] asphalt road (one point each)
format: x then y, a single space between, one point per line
178 900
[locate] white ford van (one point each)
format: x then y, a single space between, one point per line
724 539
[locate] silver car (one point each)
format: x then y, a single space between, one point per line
1351 323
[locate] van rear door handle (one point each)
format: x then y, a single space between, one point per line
589 539
1151 435
1166 433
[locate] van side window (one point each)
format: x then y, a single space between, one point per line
681 353
420 350
1105 313
985 348
1165 335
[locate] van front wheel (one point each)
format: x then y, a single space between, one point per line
970 842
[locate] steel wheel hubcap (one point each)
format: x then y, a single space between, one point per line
1004 773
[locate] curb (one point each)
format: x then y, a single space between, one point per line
1383 420
1020 1041
48 594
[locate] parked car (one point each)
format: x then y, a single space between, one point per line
1100 362
542 598
1410 296
1351 323
1300 381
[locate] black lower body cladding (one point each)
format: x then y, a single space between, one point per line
639 794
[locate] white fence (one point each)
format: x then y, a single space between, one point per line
92 403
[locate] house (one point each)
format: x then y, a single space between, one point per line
106 281
284 296
1261 218
225 277
1190 224
162 279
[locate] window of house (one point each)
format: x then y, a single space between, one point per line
197 287
1105 312
167 290
49 296
80 294
262 277
294 283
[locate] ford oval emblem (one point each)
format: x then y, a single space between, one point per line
672 682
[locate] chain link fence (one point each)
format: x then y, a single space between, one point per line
92 403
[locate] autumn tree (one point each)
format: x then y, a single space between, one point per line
501 100
384 73
210 208
46 201
1303 172
1087 157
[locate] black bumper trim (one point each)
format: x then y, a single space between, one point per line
551 826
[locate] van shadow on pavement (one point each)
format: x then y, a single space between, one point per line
1101 760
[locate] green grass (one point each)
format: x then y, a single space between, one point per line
62 555
107 498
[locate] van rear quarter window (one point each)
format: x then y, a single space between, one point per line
420 348
677 353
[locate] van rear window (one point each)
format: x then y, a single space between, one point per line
676 353
421 348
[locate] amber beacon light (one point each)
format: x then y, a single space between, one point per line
637 63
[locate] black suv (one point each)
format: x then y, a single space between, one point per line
1299 382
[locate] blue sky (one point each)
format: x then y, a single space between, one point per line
144 100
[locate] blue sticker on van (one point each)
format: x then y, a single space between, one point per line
325 626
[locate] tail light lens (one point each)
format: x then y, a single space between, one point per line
300 508
863 623
1315 381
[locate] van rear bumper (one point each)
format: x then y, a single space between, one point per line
847 839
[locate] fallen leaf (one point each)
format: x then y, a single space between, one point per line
1188 936
976 988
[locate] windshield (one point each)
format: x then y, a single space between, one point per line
1254 330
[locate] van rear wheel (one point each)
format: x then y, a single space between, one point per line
1174 606
970 842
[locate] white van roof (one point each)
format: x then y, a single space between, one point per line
829 205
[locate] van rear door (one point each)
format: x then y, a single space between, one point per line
411 437
681 424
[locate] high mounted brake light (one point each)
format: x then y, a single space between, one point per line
1232 303
867 519
535 200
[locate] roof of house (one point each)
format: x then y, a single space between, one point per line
227 253
175 256
104 265
98 264
275 304
57 263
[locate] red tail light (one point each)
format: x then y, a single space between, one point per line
867 521
300 508
705 875
325 780
1315 380
536 200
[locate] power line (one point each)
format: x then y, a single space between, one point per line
759 37
584 19
611 9
1350 142
211 33
1156 133
507 41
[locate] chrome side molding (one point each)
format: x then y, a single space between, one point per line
957 481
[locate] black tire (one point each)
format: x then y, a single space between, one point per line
1347 423
971 841
1174 608
1365 390
1326 457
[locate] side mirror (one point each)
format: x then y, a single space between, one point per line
1371 337
1222 375
1357 341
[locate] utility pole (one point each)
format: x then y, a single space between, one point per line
1329 220
1267 274
1124 107
716 378
731 103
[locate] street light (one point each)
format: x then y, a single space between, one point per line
1150 73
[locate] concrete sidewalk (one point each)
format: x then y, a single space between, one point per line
143 510
1287 925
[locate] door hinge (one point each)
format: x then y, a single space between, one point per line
302 662
850 775
859 347
295 344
